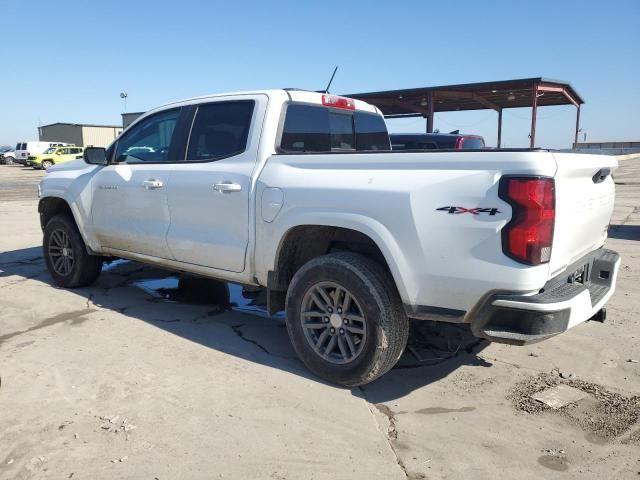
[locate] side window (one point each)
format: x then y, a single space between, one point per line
220 130
371 132
63 151
306 129
150 140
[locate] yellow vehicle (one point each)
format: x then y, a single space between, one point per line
53 156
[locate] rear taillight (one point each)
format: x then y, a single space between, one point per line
528 237
459 143
338 102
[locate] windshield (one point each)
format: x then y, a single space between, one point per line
50 150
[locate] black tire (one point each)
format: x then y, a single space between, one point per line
385 323
83 269
8 160
46 165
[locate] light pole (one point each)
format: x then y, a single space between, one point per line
124 95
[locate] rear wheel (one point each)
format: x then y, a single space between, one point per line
8 160
66 256
345 318
46 164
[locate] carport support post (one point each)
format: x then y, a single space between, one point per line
430 109
534 111
577 126
499 127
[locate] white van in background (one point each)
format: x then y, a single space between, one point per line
24 149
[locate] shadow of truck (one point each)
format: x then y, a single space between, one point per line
195 308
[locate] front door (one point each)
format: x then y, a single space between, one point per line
209 194
130 211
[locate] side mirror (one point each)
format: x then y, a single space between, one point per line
95 156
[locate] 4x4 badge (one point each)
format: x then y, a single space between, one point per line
472 211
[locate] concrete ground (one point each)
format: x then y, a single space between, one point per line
141 377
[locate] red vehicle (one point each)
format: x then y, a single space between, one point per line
435 141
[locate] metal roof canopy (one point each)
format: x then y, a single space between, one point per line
518 93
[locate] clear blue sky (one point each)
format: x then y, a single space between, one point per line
67 61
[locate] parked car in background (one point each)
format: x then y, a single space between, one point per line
435 141
53 156
7 155
24 149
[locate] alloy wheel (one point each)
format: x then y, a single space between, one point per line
61 252
333 322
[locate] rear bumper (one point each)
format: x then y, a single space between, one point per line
571 298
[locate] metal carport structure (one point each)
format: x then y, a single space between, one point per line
518 93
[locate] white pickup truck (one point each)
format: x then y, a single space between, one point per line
300 193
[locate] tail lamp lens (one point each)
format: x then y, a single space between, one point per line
528 237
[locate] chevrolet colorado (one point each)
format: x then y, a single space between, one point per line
300 193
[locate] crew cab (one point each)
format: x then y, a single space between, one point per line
300 193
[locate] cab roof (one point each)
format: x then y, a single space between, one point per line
295 95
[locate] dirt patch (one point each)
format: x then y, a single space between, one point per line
603 414
633 439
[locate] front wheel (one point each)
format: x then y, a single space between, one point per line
345 318
66 256
47 164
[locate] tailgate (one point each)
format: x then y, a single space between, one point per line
584 204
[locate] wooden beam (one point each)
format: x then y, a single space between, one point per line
550 88
534 112
431 107
577 126
499 128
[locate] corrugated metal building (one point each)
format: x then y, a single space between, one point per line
128 118
79 133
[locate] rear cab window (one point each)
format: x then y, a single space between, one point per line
316 128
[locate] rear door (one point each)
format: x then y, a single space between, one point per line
130 211
585 194
72 153
62 155
209 193
21 151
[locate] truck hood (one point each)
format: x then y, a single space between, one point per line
77 164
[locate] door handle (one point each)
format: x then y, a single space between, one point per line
227 187
152 184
